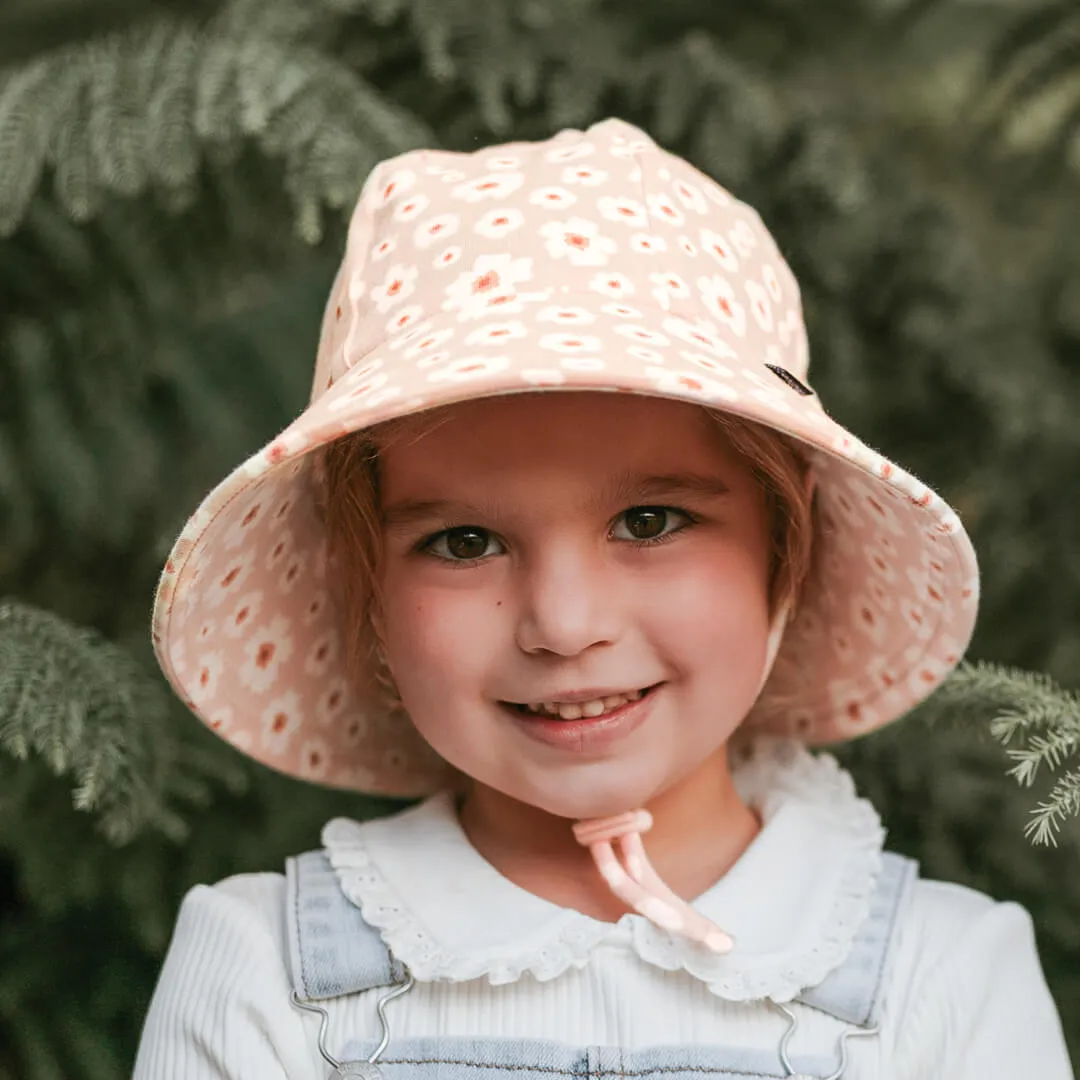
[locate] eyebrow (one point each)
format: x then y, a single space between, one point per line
628 489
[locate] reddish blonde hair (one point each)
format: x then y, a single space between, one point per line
349 481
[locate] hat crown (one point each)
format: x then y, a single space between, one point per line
596 221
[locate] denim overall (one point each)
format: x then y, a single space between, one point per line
334 952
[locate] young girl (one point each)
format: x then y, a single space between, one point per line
566 543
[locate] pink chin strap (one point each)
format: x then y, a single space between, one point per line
634 880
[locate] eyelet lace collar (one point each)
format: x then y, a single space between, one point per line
793 901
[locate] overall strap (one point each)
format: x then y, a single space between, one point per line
853 992
332 950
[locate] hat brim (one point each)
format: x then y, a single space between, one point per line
248 630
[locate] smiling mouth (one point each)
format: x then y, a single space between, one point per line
578 710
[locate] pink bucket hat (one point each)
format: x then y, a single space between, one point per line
594 260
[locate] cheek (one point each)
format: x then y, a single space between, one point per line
717 618
436 638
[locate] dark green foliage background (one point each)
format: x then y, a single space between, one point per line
174 181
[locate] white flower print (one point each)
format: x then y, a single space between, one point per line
208 669
496 333
650 356
470 367
645 244
570 343
583 174
374 400
787 327
379 251
716 194
433 359
240 530
667 287
503 162
663 207
543 376
354 731
760 305
579 240
361 392
701 334
266 650
623 311
568 316
411 207
441 227
496 224
447 257
314 759
229 580
639 333
571 153
720 248
743 237
555 198
426 342
315 608
687 245
396 184
582 363
772 282
242 740
496 185
612 284
719 297
690 196
628 211
283 547
404 320
279 722
292 573
244 614
709 363
627 148
489 287
397 342
400 282
221 720
684 382
452 176
323 652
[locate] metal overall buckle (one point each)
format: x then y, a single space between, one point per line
357 1070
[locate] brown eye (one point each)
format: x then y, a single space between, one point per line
646 522
650 523
464 543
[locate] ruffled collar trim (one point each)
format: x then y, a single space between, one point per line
793 901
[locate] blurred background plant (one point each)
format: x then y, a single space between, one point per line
175 180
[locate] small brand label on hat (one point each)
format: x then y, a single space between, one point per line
785 376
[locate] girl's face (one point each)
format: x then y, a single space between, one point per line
550 547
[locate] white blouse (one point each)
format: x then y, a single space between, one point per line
966 999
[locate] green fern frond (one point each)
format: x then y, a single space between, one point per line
1048 751
92 714
1049 817
1025 705
146 107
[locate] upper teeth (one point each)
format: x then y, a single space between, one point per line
576 710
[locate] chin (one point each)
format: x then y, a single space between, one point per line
594 800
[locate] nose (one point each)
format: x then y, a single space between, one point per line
569 603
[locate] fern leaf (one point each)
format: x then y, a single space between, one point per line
26 103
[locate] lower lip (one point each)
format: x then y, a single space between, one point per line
590 732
